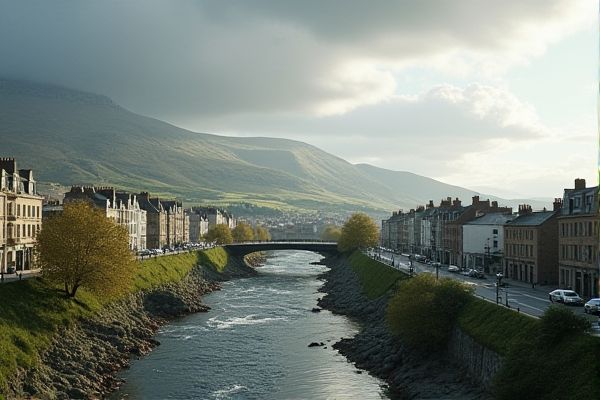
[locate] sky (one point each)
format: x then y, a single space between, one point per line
496 96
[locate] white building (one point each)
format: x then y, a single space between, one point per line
20 217
122 207
483 241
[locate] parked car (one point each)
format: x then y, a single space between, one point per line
565 296
436 264
475 273
592 307
11 270
453 268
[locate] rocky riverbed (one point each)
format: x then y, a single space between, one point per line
410 375
83 360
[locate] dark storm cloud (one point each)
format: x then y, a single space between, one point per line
173 59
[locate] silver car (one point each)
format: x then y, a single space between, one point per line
565 296
592 307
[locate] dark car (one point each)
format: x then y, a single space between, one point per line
592 307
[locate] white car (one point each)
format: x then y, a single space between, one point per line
453 268
565 296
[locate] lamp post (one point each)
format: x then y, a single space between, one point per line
498 281
486 257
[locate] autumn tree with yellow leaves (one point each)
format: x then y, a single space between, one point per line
360 231
220 234
242 233
81 247
261 233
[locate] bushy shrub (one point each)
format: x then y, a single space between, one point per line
557 360
423 310
559 323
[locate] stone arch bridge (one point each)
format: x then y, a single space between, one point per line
241 249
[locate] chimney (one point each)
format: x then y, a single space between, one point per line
456 202
430 205
579 183
557 205
494 204
475 200
8 164
524 209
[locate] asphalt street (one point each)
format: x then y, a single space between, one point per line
517 295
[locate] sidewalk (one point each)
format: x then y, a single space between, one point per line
27 274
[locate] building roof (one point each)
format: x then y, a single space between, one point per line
532 219
492 219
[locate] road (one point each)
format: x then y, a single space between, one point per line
521 297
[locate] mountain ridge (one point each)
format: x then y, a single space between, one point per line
83 138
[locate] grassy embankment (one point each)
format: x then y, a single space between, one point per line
32 311
541 358
536 364
376 278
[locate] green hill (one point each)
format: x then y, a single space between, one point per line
72 137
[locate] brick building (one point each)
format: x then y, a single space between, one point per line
578 261
531 245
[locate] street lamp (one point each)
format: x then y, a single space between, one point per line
486 257
498 281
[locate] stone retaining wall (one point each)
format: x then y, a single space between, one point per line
481 363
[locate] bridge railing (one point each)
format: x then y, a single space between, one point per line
282 241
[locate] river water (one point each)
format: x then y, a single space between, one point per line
253 343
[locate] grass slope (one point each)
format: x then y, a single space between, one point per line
376 278
32 311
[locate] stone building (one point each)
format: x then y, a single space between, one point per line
156 221
122 207
20 216
176 222
531 246
217 216
197 223
578 260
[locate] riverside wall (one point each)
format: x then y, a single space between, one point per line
410 375
83 360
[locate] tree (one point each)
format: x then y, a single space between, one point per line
220 234
242 232
331 233
423 310
261 233
81 247
359 231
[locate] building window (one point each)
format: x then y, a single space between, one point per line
495 244
495 231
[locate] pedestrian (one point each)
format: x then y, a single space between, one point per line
20 275
532 285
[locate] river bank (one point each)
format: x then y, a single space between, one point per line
410 375
84 357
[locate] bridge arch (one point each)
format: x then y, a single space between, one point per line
241 249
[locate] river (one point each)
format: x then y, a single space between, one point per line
253 344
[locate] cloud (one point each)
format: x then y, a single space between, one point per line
181 59
445 114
